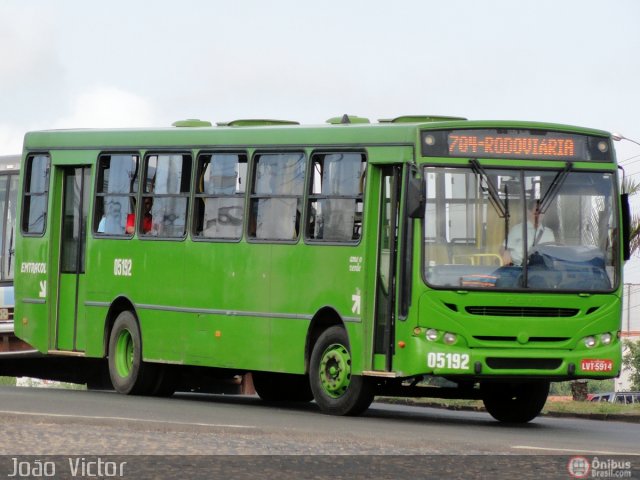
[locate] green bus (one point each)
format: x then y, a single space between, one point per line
416 256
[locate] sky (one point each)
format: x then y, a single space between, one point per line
131 63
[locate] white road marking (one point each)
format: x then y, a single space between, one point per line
573 450
126 419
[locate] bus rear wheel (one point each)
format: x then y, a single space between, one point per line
129 374
282 387
514 402
335 389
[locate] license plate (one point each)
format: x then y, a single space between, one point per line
596 365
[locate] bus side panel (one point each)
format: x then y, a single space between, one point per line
307 278
93 331
231 324
34 298
102 288
198 303
227 341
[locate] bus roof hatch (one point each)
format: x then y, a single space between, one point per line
345 119
420 119
191 122
255 123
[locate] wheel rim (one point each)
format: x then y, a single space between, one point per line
124 353
335 370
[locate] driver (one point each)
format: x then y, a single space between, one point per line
536 233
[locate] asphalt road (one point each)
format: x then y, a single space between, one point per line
41 422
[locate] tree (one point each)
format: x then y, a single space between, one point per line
633 187
631 361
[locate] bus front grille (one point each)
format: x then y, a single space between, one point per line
524 363
522 311
496 338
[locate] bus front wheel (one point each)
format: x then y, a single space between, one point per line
514 402
335 389
129 374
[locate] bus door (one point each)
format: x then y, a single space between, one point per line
390 193
73 238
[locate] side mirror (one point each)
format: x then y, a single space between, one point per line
626 226
416 196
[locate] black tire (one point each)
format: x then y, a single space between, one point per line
514 402
282 387
335 390
129 374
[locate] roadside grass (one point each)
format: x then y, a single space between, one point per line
37 383
8 381
591 408
553 406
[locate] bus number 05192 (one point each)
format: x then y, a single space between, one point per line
122 267
453 361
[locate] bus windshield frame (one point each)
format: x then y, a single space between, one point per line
474 236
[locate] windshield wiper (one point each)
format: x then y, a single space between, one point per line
555 186
501 207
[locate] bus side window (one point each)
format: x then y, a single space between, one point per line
115 193
276 196
35 194
219 199
335 199
166 193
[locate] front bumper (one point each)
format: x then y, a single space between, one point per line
421 357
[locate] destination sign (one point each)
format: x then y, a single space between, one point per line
516 144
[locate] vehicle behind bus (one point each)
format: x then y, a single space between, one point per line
10 345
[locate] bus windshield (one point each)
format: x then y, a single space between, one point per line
520 229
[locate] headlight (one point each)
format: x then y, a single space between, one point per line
606 338
590 342
449 338
432 334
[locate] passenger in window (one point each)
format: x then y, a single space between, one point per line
537 233
111 221
147 220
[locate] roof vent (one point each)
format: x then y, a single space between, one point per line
255 123
346 119
191 122
420 119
